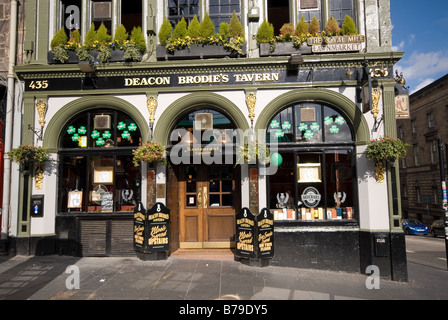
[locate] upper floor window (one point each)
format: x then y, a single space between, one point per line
182 9
101 13
70 15
309 9
340 8
222 10
281 11
430 117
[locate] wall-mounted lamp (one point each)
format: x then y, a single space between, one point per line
87 66
295 59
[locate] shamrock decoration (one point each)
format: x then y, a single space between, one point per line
275 124
280 133
125 134
107 135
95 134
121 126
303 126
71 130
100 142
82 130
75 137
328 121
334 129
286 125
314 126
132 127
339 120
308 134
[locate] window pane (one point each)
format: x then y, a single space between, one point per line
336 127
282 188
339 185
101 181
73 184
308 123
127 183
222 11
70 15
282 126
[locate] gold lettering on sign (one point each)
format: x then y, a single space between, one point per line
245 241
151 81
159 235
138 234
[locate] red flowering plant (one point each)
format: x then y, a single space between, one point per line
386 149
150 152
25 154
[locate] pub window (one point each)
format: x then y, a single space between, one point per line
278 13
315 180
182 9
340 8
309 9
70 15
131 14
96 169
222 10
101 13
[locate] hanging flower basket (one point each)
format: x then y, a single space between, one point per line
28 154
150 152
253 152
385 149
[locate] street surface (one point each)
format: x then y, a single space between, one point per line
426 251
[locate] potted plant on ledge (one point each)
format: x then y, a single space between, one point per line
384 150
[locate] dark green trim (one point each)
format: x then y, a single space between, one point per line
336 100
167 121
60 119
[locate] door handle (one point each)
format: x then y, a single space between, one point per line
205 197
199 197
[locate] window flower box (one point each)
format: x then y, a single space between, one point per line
198 51
283 49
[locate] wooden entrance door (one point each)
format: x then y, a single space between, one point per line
207 202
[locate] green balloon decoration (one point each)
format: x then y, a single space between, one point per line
276 159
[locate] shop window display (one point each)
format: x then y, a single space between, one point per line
97 172
316 180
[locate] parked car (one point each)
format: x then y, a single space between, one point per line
438 228
413 226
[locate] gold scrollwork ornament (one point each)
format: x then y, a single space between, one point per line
251 100
41 107
376 96
380 170
152 106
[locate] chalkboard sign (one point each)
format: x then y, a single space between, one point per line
265 226
245 234
139 227
158 230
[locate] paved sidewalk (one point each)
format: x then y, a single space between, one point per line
128 278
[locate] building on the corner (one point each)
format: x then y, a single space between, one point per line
330 211
420 175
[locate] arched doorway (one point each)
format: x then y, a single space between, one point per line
203 179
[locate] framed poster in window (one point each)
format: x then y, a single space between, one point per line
103 175
74 200
308 172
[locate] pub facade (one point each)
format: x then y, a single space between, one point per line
313 99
